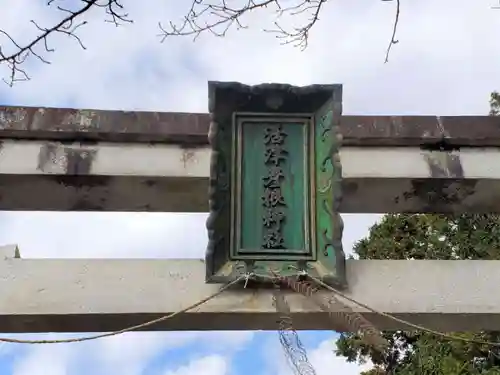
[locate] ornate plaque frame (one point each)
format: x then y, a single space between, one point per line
281 137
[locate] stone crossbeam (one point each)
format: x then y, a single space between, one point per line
67 159
190 129
105 295
107 176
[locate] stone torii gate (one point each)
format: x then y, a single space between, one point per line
89 160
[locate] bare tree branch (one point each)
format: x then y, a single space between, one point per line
394 31
214 16
68 26
222 17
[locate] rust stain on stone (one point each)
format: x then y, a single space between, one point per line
445 190
187 156
50 160
443 195
79 161
444 164
14 119
54 158
81 120
11 116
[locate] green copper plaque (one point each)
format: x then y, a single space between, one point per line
274 181
271 182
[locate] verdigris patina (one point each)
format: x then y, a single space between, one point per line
275 181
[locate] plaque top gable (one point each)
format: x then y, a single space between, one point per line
275 179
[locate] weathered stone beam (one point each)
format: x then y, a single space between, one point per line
55 176
192 128
408 179
55 295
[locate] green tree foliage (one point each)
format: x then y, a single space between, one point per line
494 104
405 236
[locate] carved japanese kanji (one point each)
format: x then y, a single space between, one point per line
275 154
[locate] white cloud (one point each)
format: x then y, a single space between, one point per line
210 365
149 235
105 235
43 359
127 68
127 354
325 361
322 358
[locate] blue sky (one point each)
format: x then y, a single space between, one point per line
439 67
155 353
261 354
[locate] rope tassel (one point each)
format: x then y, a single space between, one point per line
342 315
292 346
